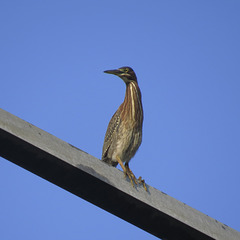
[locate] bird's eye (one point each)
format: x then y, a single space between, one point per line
126 70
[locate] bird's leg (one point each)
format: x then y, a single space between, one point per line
121 163
126 171
130 174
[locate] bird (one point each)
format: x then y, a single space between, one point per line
124 132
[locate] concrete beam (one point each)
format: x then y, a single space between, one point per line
87 177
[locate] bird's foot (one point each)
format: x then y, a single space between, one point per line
131 176
128 172
142 181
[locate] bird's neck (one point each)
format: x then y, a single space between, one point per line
132 104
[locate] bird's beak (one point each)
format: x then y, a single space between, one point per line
115 71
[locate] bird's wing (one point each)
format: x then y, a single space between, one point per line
112 127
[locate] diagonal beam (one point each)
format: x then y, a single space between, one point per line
85 176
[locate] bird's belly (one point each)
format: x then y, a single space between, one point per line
127 144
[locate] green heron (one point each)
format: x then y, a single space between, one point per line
124 132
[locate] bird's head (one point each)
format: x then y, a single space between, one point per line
125 73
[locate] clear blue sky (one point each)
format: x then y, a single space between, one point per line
186 55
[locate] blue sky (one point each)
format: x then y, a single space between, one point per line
186 55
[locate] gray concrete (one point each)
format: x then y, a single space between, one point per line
89 178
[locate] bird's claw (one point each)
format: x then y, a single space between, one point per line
142 181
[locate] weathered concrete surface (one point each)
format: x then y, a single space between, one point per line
89 178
